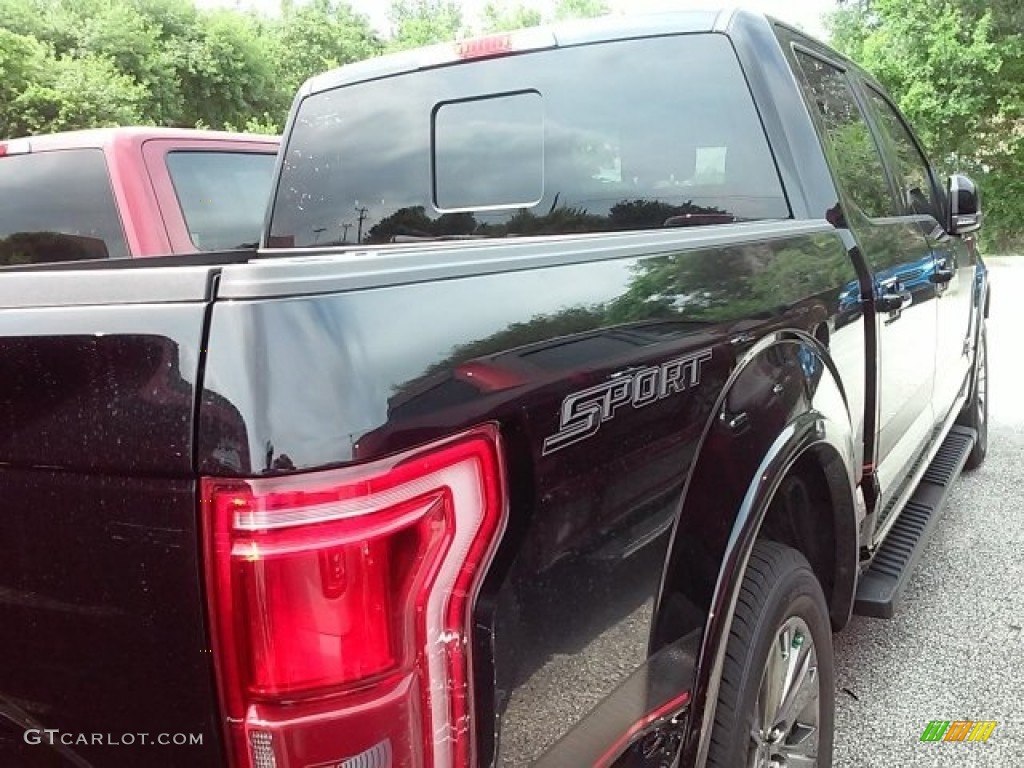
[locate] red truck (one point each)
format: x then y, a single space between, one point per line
131 192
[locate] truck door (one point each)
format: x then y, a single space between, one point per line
955 264
902 263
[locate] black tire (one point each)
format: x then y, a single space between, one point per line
975 413
779 590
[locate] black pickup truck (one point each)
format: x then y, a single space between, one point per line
586 380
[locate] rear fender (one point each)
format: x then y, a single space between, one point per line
783 401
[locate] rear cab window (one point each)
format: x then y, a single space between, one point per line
58 206
222 195
567 140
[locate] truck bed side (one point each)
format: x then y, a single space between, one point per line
329 360
101 614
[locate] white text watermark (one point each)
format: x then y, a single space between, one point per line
52 736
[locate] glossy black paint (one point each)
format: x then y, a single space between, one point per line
101 623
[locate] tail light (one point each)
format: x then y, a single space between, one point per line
340 607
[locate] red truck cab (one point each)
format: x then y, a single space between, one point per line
131 192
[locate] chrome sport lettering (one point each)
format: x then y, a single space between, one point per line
583 412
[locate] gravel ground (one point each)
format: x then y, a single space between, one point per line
955 649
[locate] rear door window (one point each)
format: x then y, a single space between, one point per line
915 177
858 161
625 135
223 195
58 206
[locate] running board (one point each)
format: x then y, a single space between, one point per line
882 583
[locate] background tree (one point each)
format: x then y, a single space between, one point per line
74 93
318 36
68 64
23 62
423 22
956 68
228 77
580 9
505 17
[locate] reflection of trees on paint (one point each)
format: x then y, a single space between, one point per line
731 283
691 289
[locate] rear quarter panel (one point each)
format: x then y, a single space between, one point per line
568 612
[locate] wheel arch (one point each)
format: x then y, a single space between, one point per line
801 422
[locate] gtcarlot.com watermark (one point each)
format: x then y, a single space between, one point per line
53 736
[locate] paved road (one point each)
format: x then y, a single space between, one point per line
955 650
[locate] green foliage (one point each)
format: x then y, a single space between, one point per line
23 62
318 36
73 93
505 17
956 69
89 63
423 22
580 9
226 76
265 125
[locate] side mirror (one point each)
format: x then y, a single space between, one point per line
964 206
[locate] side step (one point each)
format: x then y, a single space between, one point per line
881 584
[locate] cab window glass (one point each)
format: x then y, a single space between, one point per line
223 195
858 161
58 206
914 177
589 138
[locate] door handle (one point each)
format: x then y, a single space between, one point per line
943 275
896 301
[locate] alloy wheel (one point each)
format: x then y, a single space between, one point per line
784 731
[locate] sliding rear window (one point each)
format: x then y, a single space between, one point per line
58 206
636 134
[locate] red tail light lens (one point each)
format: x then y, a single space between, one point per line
340 606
